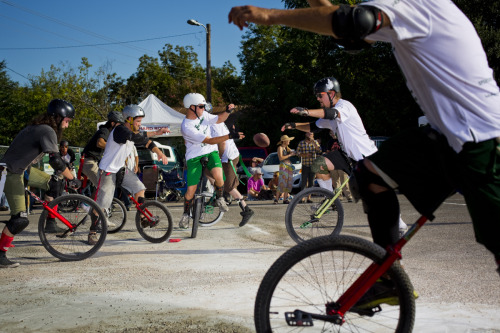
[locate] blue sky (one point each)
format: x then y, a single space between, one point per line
50 29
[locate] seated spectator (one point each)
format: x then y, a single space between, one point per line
273 183
255 184
255 163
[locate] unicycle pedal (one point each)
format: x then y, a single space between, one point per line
298 318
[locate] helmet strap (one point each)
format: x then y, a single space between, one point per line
196 114
331 100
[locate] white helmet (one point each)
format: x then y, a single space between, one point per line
133 111
193 99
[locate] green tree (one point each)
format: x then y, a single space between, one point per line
12 107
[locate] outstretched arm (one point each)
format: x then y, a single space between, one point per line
316 19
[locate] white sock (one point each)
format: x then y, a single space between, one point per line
326 184
402 224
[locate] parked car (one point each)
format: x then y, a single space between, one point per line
272 164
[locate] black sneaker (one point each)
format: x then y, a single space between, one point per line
247 215
51 227
6 263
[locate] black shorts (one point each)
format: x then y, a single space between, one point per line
422 164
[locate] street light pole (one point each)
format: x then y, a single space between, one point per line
209 59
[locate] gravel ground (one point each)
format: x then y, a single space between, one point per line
208 284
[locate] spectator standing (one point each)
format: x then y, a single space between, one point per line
285 180
308 149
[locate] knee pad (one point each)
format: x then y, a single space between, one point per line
17 223
140 200
319 166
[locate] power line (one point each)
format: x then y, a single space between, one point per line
13 71
93 45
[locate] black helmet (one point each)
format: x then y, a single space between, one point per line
59 107
115 117
327 84
64 143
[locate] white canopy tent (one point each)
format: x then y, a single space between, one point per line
160 115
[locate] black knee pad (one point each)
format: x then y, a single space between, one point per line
140 200
17 223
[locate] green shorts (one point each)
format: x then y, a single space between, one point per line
194 167
427 170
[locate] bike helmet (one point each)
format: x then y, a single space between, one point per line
59 107
133 111
193 99
326 84
64 143
116 117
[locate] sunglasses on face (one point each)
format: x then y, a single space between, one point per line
202 106
320 95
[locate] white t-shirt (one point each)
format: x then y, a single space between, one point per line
445 66
231 151
195 131
350 131
115 154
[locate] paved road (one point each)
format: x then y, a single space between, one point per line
208 284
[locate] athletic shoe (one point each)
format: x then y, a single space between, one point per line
4 208
110 224
144 222
6 263
247 215
382 292
93 238
221 202
184 222
51 227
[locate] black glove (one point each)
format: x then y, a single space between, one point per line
302 111
233 133
228 110
290 125
75 183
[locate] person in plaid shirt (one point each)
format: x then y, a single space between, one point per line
308 149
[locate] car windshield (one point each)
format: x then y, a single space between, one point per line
272 159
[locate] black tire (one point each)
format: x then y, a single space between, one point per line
72 245
159 229
116 214
196 216
211 213
299 217
317 272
